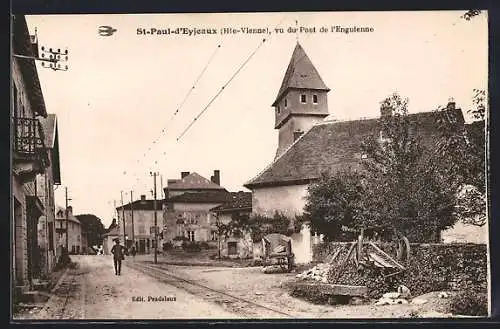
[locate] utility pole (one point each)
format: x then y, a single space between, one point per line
156 219
123 219
132 217
161 184
67 218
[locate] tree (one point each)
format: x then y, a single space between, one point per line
93 227
407 192
462 159
335 205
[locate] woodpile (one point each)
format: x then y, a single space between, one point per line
317 273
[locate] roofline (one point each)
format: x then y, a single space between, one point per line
28 67
276 183
197 201
299 114
230 209
190 188
284 92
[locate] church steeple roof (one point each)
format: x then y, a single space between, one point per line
300 74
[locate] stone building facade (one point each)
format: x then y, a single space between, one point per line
29 157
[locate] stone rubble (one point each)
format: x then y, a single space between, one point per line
317 273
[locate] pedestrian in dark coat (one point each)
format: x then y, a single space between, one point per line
118 255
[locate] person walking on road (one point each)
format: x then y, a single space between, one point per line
118 256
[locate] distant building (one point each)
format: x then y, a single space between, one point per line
140 215
108 238
308 145
76 243
240 244
188 202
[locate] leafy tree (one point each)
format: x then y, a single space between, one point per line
335 204
407 192
93 227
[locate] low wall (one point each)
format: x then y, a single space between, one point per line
431 267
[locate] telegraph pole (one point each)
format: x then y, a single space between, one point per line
156 220
123 219
132 214
67 218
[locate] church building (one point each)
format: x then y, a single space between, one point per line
309 145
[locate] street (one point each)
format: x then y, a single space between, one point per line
93 291
145 290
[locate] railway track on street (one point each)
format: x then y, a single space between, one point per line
241 306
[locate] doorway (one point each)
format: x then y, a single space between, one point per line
142 246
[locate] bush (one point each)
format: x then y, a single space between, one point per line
204 245
167 246
469 302
180 238
191 246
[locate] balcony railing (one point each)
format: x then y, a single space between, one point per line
29 139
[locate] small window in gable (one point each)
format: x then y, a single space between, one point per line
297 134
303 98
286 103
278 109
315 99
364 156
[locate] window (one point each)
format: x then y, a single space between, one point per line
297 134
315 99
286 103
364 156
190 235
142 229
278 109
214 235
303 98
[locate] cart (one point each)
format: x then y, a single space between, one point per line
278 251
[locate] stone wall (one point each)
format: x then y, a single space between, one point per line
431 267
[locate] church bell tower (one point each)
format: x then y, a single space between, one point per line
301 101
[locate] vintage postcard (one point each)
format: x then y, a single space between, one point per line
279 165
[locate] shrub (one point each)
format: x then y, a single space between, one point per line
167 246
191 246
180 238
204 245
469 302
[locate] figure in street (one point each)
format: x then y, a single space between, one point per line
118 256
133 251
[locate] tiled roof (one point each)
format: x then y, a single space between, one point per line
21 45
72 218
238 201
193 181
331 146
301 74
202 197
115 231
142 205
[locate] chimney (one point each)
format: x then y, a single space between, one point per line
216 177
451 105
385 111
70 210
143 197
184 174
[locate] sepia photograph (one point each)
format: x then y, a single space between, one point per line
243 166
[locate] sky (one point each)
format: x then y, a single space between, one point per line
115 105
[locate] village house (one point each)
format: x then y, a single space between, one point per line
139 223
77 243
309 145
238 244
188 202
112 233
29 159
46 182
